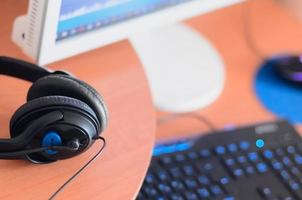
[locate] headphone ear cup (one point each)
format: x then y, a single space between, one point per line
64 85
37 107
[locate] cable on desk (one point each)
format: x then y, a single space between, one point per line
60 189
199 117
247 31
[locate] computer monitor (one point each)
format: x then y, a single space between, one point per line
54 30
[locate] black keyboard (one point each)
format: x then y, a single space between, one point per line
251 163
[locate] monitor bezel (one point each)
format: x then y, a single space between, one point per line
51 50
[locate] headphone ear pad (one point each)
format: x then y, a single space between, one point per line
64 85
37 107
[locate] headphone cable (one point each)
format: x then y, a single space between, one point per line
247 31
61 188
200 118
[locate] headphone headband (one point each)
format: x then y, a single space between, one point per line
21 69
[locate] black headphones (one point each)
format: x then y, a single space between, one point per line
62 118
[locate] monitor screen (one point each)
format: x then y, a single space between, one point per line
80 16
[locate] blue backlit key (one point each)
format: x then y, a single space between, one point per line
232 148
286 161
291 149
180 158
216 190
229 198
192 155
268 154
238 172
229 161
164 188
249 170
203 180
298 159
191 196
244 145
241 159
188 169
203 193
262 167
253 157
224 181
220 150
177 185
277 165
205 153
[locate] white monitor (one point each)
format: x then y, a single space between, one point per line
57 29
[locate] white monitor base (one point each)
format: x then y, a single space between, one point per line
185 71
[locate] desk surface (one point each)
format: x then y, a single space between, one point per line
117 174
273 30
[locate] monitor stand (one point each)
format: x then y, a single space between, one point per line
184 70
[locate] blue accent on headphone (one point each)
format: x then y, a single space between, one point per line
51 138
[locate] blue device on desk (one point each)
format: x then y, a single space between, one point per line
278 85
261 162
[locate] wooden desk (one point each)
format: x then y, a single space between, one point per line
116 72
273 30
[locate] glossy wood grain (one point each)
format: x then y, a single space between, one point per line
273 30
116 73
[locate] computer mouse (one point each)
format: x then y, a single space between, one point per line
288 67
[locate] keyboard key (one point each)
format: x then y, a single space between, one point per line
277 165
224 181
166 160
189 171
205 153
244 145
163 175
229 198
238 173
191 195
150 191
191 183
175 172
265 192
253 156
298 159
249 170
229 162
296 172
291 149
268 154
285 175
262 167
203 180
220 150
232 148
192 155
280 152
205 167
216 190
294 185
180 158
203 193
241 159
286 161
150 178
176 197
177 185
164 188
